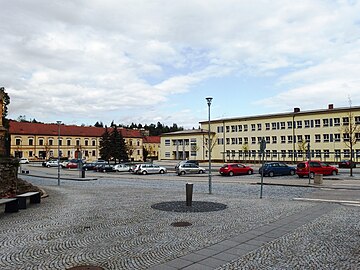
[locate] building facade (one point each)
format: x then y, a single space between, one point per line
152 145
187 144
291 137
42 141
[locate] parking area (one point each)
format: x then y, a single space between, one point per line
109 222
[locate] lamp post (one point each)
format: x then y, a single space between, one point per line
209 99
58 123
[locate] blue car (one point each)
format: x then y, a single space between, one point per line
277 168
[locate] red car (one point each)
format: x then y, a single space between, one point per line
235 169
316 167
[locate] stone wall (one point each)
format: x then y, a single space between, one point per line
8 174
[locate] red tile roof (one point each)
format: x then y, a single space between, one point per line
26 128
151 139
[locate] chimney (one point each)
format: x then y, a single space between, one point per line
331 106
296 110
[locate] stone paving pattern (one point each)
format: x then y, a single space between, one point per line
110 223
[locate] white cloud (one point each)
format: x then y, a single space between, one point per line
96 58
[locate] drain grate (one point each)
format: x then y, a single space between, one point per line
197 206
181 224
86 267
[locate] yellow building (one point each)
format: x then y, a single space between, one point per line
152 145
287 136
187 144
40 141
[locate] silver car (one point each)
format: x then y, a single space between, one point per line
122 168
189 168
150 168
52 163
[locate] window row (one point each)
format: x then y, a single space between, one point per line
52 141
289 139
298 124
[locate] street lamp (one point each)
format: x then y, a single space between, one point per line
209 99
58 123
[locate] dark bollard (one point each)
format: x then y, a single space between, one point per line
82 173
189 193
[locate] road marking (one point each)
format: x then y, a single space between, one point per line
326 200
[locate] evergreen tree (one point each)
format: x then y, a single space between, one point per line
97 124
118 147
105 145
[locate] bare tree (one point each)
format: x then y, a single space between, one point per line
349 131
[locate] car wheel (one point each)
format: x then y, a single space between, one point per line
312 175
162 172
271 174
333 173
182 173
86 169
201 171
48 166
250 172
292 172
231 173
144 172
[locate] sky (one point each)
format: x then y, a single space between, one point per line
140 61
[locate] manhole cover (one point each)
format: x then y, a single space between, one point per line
197 206
86 267
181 224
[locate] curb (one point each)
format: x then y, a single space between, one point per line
62 178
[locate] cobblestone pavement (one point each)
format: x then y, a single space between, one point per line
110 223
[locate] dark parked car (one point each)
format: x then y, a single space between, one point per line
106 168
88 166
277 168
316 167
235 169
347 164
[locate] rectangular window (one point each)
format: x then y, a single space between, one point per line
267 126
290 138
299 124
246 140
325 122
18 141
167 154
50 142
337 153
259 127
274 153
234 128
193 153
30 153
227 129
273 125
345 121
307 123
317 123
282 125
259 139
31 141
336 121
240 140
239 128
317 138
337 137
167 142
299 138
283 153
290 153
274 139
60 142
93 153
252 127
346 153
86 143
94 143
253 140
233 140
227 140
220 129
77 142
357 120
326 153
68 142
289 124
346 137
41 142
318 153
307 138
267 139
326 137
245 127
283 139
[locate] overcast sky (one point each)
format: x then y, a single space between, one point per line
141 61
